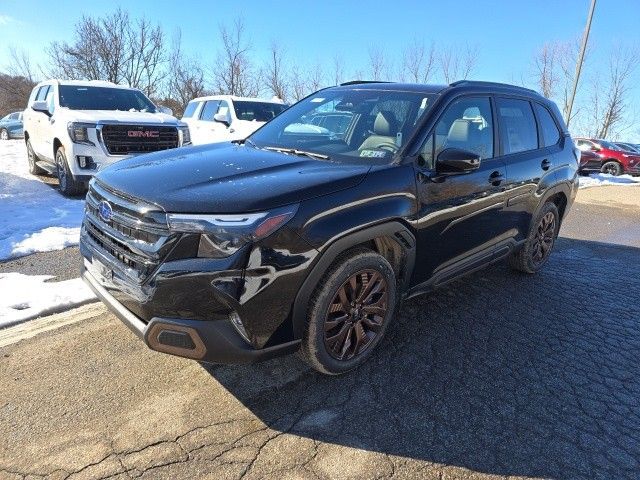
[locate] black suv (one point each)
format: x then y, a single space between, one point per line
301 238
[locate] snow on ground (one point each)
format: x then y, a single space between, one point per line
601 179
34 217
29 296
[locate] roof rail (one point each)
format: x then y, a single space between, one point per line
360 82
479 83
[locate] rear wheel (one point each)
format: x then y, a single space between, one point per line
4 134
612 168
32 158
542 236
349 312
68 185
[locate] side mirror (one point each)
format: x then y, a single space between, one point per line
41 106
165 110
451 161
222 118
595 148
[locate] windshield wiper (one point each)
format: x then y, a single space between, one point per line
300 153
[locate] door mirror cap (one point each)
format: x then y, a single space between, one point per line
41 106
451 161
222 118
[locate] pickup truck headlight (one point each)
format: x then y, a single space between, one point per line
78 132
184 134
223 235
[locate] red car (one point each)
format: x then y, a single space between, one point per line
613 159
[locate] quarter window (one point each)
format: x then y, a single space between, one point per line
550 132
466 124
518 126
42 93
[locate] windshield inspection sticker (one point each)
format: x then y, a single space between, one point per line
372 153
317 100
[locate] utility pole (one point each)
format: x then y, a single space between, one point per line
583 48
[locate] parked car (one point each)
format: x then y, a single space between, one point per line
590 161
615 161
74 128
223 118
298 241
11 126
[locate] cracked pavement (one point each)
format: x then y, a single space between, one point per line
496 375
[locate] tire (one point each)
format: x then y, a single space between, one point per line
4 134
32 158
540 241
340 333
612 167
68 186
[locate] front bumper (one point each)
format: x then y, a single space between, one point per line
206 341
591 165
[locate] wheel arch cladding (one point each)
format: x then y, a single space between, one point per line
392 240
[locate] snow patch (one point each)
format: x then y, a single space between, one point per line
34 217
30 296
601 179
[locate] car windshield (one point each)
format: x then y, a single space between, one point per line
257 111
104 98
347 123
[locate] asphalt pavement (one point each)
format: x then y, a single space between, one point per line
497 375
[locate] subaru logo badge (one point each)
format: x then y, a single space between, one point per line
105 211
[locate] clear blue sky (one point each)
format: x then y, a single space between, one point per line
507 32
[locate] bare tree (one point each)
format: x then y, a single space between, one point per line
338 70
112 48
274 76
297 83
457 63
377 63
234 73
545 69
610 99
302 84
20 64
185 77
418 62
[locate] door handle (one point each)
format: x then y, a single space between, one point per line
546 164
496 178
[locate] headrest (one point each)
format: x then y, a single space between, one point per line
459 131
385 124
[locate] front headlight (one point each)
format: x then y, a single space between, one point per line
184 135
79 132
223 235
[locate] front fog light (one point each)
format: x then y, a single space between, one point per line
237 324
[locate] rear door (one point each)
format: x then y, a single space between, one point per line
461 217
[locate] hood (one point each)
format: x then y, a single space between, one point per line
227 178
118 116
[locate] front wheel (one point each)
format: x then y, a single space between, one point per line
612 168
4 134
68 186
349 312
542 236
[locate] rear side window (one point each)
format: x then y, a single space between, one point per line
518 132
209 110
550 132
191 109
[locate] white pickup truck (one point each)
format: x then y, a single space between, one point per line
74 128
222 118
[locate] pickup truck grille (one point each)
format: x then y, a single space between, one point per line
128 139
133 241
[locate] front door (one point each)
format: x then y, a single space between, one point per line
461 216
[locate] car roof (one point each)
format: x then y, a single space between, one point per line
86 83
236 98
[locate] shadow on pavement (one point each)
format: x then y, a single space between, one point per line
500 373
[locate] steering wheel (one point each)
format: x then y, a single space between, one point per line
388 146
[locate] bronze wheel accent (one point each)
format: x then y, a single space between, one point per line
544 237
356 314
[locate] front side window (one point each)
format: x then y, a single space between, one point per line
550 132
466 124
42 93
76 97
349 123
209 110
190 110
257 111
518 131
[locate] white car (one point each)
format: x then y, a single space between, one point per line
74 128
222 118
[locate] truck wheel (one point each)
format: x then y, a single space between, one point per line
612 168
349 312
34 169
4 134
542 236
69 187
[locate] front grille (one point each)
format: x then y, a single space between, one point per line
127 139
135 239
